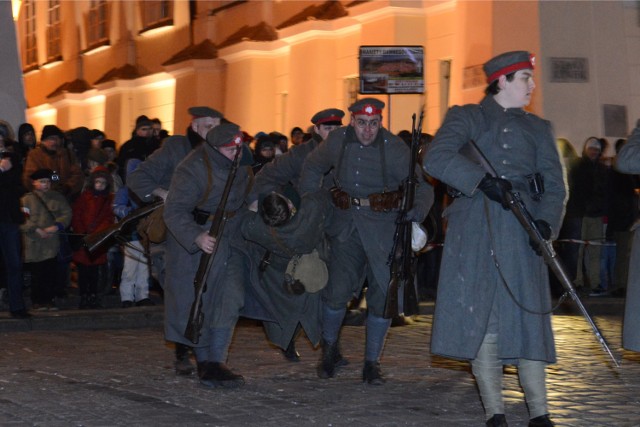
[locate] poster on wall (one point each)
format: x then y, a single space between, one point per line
391 69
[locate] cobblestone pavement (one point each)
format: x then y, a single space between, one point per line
125 377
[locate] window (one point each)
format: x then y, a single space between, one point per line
156 13
97 26
31 47
53 32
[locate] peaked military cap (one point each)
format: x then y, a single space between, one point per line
507 63
368 106
330 116
198 112
225 135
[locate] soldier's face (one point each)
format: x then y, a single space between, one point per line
202 125
230 152
366 127
324 130
517 92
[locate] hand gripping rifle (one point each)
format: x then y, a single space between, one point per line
401 259
519 209
196 316
94 240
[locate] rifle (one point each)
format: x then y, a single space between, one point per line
519 209
401 259
196 315
94 240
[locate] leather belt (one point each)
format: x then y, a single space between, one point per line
227 214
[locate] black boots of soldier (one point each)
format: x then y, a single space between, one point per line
541 421
331 359
371 373
291 354
216 374
499 420
183 363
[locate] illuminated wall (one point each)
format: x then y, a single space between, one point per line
310 65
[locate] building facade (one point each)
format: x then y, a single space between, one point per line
271 64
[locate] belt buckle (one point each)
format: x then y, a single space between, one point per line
355 201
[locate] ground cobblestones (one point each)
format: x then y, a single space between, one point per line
125 377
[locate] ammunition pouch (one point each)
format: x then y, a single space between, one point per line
536 185
340 198
200 216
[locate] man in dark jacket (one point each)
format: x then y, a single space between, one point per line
141 145
11 217
369 165
487 314
587 201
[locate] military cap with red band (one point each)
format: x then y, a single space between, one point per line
507 63
330 116
225 135
367 106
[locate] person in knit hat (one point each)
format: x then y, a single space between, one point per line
67 178
92 212
494 308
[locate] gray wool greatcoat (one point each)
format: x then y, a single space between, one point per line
361 239
157 170
301 235
228 284
517 144
628 161
282 170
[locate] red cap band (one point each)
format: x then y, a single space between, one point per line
512 69
236 141
329 119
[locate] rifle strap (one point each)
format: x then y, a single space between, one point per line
209 187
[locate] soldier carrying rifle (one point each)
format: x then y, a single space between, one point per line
369 166
493 305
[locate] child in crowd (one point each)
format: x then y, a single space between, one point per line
47 212
92 212
134 283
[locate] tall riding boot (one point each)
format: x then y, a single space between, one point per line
183 364
327 366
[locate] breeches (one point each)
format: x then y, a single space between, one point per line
348 267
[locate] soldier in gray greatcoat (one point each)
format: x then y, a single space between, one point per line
287 168
151 180
194 194
284 227
369 166
495 315
628 161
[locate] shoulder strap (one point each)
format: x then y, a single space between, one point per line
45 205
207 163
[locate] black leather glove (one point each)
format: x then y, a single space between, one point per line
496 189
545 231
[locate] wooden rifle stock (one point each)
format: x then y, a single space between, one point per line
519 209
196 315
94 240
401 259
